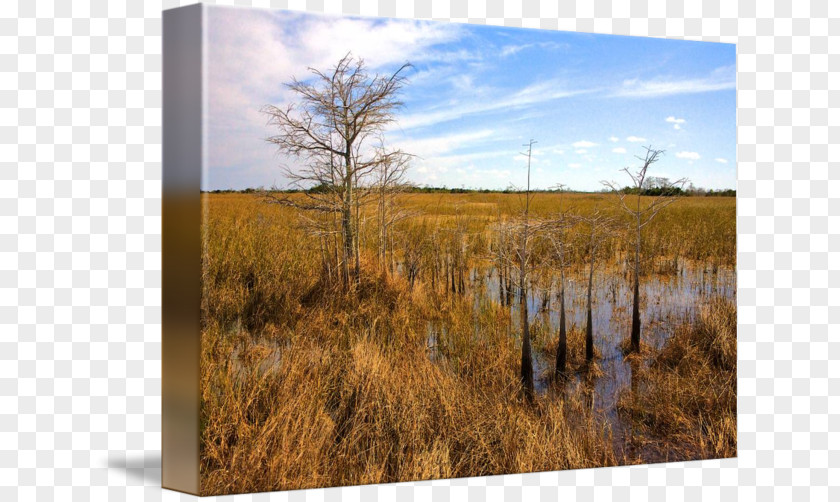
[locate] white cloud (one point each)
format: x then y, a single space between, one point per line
574 166
635 139
584 144
501 174
688 155
452 162
253 52
614 139
619 150
677 122
547 149
438 145
722 160
722 78
580 152
325 39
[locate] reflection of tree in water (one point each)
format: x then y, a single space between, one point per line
635 374
587 383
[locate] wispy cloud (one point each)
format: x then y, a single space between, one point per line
536 93
509 50
722 160
584 144
434 146
619 150
688 155
720 79
614 139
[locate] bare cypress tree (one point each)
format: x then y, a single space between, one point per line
600 227
527 368
641 215
560 359
556 233
513 252
328 128
390 182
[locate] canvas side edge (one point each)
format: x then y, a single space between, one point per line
181 246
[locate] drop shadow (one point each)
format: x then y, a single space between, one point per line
141 468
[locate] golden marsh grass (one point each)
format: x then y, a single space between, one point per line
306 385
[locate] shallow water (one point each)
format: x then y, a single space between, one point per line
666 301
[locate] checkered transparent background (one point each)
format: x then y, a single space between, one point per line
80 240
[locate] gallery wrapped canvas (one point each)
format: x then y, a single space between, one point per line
399 250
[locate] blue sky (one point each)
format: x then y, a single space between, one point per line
476 94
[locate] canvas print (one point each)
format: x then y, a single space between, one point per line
437 250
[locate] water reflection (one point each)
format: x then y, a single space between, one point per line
666 302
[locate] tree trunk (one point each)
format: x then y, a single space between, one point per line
382 230
347 222
500 266
335 249
325 261
560 362
527 374
347 244
509 282
451 271
636 328
390 250
590 345
357 241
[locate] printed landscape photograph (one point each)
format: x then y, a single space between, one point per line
437 250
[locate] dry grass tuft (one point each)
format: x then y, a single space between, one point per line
686 400
323 415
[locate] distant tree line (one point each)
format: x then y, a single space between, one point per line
657 186
654 191
702 192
